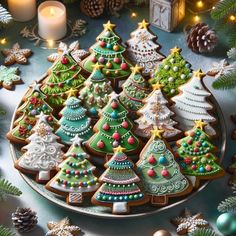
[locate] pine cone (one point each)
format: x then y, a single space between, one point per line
113 6
92 8
201 39
24 219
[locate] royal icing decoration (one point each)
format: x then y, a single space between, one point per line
192 104
142 48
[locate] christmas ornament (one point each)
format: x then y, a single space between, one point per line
119 188
16 55
188 223
201 38
62 228
24 219
161 232
143 49
9 77
226 223
92 8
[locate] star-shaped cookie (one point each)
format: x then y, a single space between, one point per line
16 55
62 228
188 223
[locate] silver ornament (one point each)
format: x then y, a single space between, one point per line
162 232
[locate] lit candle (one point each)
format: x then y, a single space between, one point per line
22 10
52 20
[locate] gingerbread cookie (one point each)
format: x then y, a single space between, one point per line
9 77
120 188
196 155
75 178
159 171
156 112
16 55
192 104
43 152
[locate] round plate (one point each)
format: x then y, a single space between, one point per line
104 212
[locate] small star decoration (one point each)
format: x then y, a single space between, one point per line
175 50
188 223
62 228
143 25
157 133
16 55
199 74
109 26
136 69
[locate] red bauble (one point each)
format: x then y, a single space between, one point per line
116 136
114 105
131 140
60 85
208 155
106 127
54 95
124 66
64 60
51 85
190 141
194 167
192 133
94 59
50 118
117 60
152 160
102 44
67 172
63 95
73 67
165 173
198 144
100 144
125 124
196 149
187 160
151 172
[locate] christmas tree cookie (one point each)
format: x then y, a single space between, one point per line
120 188
156 112
114 128
142 48
94 95
160 172
135 89
43 153
75 177
74 120
192 104
108 52
64 75
196 155
172 72
34 103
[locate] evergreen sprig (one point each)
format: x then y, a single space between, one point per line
226 81
232 54
6 188
5 231
223 9
5 17
203 232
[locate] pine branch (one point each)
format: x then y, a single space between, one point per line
232 54
203 232
228 205
232 37
227 81
5 17
6 188
5 231
223 8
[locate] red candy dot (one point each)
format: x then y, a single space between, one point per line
106 127
60 85
116 136
54 95
192 133
81 184
194 167
125 124
114 105
50 118
76 172
100 144
196 149
165 173
198 144
117 60
124 66
73 67
187 160
67 172
131 140
94 59
65 182
64 61
151 160
102 44
208 168
51 85
85 172
151 173
208 155
190 141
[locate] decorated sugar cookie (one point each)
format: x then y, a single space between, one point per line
43 153
74 120
142 48
135 89
95 93
75 177
120 188
160 172
156 112
192 104
114 128
173 72
196 155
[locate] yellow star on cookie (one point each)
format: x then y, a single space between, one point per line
199 74
97 66
136 69
71 93
157 133
175 50
144 24
157 86
109 26
200 124
119 149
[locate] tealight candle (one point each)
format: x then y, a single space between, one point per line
52 20
23 10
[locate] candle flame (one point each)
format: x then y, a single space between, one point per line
199 4
197 18
52 11
3 41
50 42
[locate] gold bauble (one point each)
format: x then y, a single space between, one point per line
117 72
116 48
162 232
108 72
109 65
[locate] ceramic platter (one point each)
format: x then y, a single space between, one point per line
103 212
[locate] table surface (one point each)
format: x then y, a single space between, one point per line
205 201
